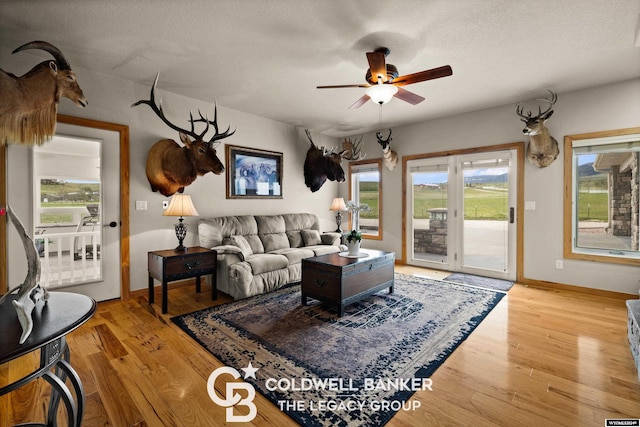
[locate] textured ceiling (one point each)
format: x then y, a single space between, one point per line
266 57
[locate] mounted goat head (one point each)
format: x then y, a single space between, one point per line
543 148
171 167
390 157
321 164
29 104
352 149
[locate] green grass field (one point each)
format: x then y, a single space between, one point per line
55 194
489 202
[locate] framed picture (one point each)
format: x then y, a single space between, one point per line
253 173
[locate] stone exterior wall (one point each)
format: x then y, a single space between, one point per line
635 202
620 201
434 239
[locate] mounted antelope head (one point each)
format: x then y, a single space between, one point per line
29 104
171 167
321 164
352 149
390 157
543 148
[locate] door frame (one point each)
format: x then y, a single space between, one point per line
519 147
125 256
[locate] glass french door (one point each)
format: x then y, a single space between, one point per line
463 213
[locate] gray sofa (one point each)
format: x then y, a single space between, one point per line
261 253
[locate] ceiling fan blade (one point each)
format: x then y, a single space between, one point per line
421 76
360 102
408 96
377 65
341 86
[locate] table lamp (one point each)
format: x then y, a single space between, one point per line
339 206
181 206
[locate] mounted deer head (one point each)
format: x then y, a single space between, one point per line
171 167
543 148
321 164
352 149
390 157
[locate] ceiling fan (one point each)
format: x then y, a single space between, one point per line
383 81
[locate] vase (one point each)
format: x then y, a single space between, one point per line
354 248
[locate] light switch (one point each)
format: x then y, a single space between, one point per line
529 205
141 205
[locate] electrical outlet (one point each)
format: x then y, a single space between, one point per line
165 204
559 264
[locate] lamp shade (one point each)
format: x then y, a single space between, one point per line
338 205
381 93
181 205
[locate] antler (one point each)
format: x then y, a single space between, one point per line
551 102
309 137
325 151
157 108
381 140
352 149
215 138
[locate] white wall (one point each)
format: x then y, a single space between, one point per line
110 100
601 108
607 107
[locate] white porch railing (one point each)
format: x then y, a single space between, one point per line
63 268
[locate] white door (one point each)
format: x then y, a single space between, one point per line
73 211
463 213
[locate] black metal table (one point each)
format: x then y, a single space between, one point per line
63 313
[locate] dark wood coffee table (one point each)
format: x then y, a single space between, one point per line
340 280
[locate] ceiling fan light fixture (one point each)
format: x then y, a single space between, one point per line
381 93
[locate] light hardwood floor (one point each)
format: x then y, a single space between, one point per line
541 358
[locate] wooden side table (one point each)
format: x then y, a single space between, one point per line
170 265
52 321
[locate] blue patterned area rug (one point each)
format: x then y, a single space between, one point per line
357 370
480 281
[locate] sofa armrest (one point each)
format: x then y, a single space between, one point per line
331 238
229 250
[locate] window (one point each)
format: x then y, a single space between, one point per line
366 188
601 220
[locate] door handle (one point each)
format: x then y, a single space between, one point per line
113 224
511 215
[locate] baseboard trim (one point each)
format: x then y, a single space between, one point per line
542 284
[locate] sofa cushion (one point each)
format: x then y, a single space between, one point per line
255 243
268 224
274 241
213 231
301 221
262 263
311 237
295 239
295 255
330 238
242 243
324 249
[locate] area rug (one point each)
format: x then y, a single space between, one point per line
355 370
480 281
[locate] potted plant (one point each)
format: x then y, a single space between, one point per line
353 242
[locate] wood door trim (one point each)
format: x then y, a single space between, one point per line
125 255
519 147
